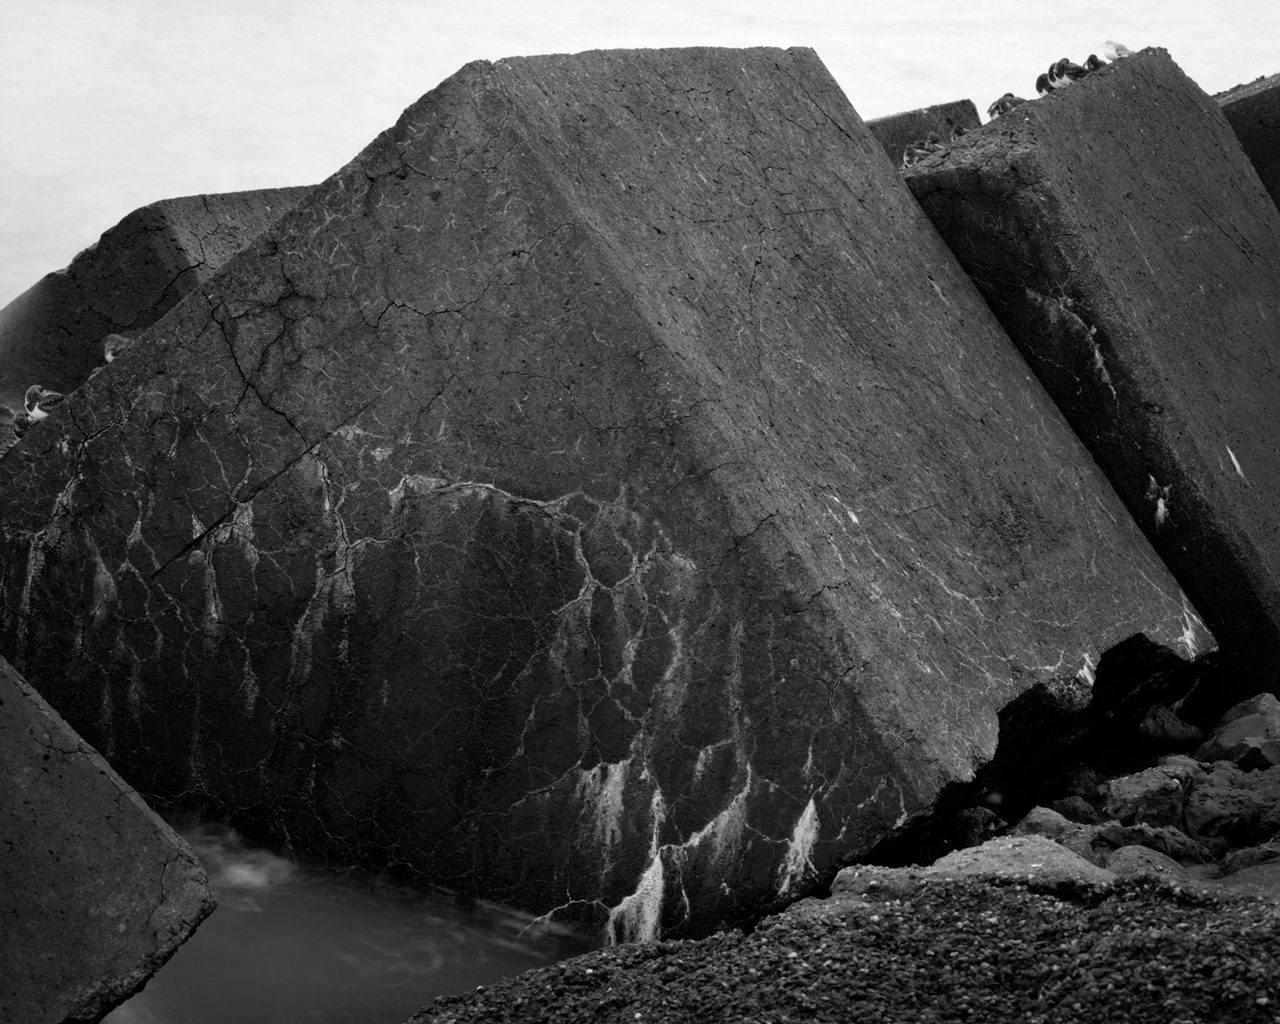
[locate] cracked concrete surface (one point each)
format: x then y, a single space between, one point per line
605 495
51 334
96 892
1126 244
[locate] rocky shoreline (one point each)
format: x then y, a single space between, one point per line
962 950
1148 896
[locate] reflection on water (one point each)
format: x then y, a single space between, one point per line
295 944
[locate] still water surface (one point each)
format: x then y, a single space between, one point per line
291 944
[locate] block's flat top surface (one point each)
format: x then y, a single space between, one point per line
1249 90
95 890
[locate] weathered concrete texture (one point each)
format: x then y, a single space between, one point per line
132 276
1253 111
606 494
1123 239
897 130
96 892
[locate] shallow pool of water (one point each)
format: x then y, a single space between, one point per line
290 944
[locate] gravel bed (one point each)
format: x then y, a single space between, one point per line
948 951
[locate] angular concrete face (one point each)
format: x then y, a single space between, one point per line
52 333
1253 112
1127 246
96 892
896 131
606 494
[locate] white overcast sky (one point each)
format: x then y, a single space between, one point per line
106 105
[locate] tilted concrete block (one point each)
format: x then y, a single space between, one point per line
1253 111
51 334
1124 241
605 494
897 131
96 892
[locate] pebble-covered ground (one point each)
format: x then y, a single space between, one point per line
948 951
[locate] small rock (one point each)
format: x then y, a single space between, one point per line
1078 809
970 826
1161 725
1154 796
1142 860
1166 839
1247 735
1242 808
1186 766
1258 704
1042 863
1238 860
1079 839
1044 821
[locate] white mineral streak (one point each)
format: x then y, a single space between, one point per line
238 529
599 794
798 864
1235 462
1160 497
638 917
724 832
884 784
416 483
1099 364
213 617
1196 638
1086 672
349 432
334 584
704 758
41 540
104 586
249 687
135 534
845 509
1056 666
340 582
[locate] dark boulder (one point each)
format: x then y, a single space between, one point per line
606 494
51 334
1248 735
1242 808
96 892
1124 241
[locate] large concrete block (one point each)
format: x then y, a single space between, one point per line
125 282
605 494
96 892
1124 241
1253 111
896 131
